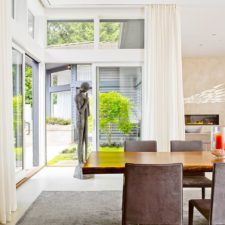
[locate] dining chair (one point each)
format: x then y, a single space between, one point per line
192 179
212 209
152 194
140 146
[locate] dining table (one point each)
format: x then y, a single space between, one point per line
100 162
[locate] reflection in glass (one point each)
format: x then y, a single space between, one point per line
17 73
119 106
61 78
122 34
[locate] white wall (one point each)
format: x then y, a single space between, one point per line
200 77
70 55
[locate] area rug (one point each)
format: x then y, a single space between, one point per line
82 208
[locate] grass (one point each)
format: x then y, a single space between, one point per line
69 154
61 157
18 151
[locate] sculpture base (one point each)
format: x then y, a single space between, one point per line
78 173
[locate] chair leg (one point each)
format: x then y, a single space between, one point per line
203 193
190 213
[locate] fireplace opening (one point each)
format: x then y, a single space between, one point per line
201 119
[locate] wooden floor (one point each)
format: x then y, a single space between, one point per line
114 162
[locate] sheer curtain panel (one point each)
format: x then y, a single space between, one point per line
163 103
7 168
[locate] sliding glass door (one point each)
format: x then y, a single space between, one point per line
118 106
25 112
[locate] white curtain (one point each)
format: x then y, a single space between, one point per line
163 102
7 168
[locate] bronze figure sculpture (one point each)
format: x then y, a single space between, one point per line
83 111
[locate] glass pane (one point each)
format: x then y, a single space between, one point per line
76 34
59 126
17 73
61 78
119 106
30 24
28 117
122 34
61 105
83 72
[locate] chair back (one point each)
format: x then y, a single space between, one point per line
140 146
217 215
152 194
181 146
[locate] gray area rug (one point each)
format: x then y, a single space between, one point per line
85 208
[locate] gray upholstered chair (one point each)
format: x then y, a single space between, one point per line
213 210
140 146
192 180
152 194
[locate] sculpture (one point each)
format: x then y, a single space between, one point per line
83 111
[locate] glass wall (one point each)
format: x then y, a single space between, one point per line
76 34
119 106
59 127
62 86
17 73
113 34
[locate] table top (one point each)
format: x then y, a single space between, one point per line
114 162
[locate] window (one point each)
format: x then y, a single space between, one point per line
78 34
119 106
30 24
122 34
61 78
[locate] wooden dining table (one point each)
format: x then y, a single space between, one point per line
114 162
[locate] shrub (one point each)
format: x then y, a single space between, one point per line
59 121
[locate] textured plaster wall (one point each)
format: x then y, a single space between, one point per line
204 86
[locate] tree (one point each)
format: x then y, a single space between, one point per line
79 32
114 109
70 32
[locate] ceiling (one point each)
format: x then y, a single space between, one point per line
202 21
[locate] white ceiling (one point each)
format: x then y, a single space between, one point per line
202 21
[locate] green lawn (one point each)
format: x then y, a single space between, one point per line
70 154
61 157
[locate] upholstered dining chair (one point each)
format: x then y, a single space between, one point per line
192 180
212 209
140 146
152 194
